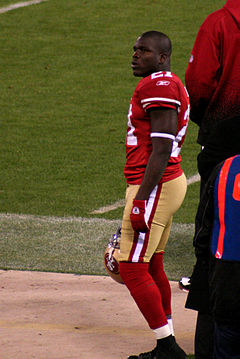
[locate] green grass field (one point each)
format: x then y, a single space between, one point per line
66 84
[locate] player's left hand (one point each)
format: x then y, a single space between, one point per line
137 216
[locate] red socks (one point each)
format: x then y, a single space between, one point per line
157 272
145 291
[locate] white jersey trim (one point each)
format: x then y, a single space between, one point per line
162 134
148 101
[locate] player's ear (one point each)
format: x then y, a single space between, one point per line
162 58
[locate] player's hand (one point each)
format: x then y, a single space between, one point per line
137 216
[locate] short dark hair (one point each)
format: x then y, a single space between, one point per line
163 41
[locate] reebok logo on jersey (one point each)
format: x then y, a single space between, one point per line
163 83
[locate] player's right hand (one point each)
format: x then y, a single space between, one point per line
137 216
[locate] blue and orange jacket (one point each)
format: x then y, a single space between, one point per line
225 242
217 242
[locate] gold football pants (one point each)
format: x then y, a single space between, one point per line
164 201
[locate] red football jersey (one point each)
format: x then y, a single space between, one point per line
161 89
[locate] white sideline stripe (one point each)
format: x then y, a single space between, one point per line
83 222
193 179
118 204
20 4
56 220
109 208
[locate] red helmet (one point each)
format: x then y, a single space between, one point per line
111 257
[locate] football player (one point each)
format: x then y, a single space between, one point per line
156 186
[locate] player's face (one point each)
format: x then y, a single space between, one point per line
145 60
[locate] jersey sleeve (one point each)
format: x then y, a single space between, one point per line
159 92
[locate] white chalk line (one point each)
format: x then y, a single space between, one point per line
109 208
119 204
193 179
54 220
100 224
20 4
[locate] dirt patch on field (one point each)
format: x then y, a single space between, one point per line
67 316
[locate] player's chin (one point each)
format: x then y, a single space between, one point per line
137 73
